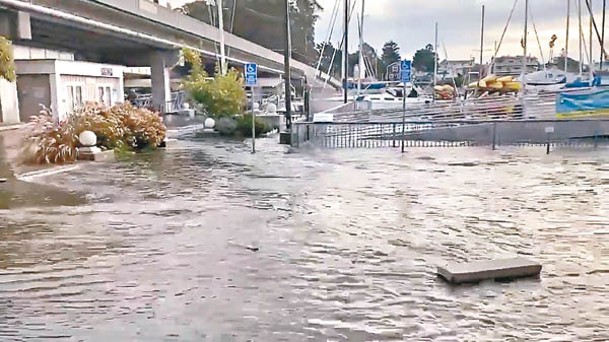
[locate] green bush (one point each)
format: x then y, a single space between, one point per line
121 127
7 61
226 126
244 126
221 96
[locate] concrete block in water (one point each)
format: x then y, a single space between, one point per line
168 143
286 138
472 272
95 154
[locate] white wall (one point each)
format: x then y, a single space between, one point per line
84 74
25 52
9 103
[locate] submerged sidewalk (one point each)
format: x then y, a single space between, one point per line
15 192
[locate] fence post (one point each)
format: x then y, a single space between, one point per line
596 139
394 137
548 143
297 137
494 132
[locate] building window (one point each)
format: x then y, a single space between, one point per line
104 95
74 97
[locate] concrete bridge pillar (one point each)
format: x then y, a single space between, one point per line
161 81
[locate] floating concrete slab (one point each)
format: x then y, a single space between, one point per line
473 272
95 154
168 143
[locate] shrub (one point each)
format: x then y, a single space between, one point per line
226 126
221 96
244 126
143 128
7 61
49 143
122 127
106 125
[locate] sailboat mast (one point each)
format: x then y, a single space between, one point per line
346 51
435 57
581 35
567 40
603 35
362 68
481 42
524 41
591 60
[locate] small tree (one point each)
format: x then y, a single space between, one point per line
424 59
222 95
7 61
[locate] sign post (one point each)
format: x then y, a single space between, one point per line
405 72
251 80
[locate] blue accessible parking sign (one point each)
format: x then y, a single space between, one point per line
251 74
406 71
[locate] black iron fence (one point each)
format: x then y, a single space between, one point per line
455 133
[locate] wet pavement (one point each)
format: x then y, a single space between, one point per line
205 241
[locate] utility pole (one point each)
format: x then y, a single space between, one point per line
346 51
287 55
223 66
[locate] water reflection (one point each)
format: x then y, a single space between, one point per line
208 242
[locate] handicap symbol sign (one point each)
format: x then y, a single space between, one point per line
251 69
406 70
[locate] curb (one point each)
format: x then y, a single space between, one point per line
28 176
12 127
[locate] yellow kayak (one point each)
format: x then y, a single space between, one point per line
490 78
479 84
495 85
513 86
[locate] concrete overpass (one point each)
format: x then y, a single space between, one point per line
132 33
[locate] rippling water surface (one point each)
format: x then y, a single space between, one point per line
207 242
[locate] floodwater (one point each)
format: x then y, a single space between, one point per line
207 242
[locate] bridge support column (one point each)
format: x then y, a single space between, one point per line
161 81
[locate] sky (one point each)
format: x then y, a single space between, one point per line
411 23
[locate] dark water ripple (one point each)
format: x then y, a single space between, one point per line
208 242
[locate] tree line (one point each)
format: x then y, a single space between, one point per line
260 21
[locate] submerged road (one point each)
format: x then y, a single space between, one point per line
206 242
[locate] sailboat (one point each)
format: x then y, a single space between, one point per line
364 90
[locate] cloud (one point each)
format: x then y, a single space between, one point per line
411 24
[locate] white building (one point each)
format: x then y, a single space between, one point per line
452 69
64 85
513 66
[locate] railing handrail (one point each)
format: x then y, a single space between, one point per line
428 122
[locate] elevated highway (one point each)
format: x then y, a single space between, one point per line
133 33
